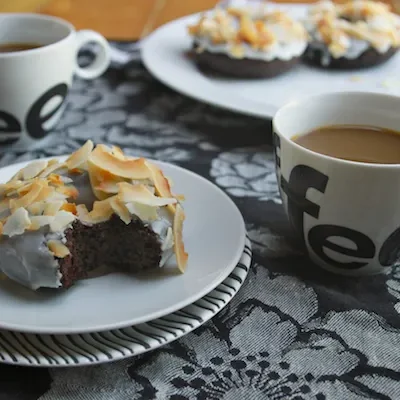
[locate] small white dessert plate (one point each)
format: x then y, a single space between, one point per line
214 235
164 54
28 349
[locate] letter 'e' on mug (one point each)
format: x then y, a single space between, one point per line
34 82
346 213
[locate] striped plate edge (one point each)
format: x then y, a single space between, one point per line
47 350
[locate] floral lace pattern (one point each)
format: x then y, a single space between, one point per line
292 332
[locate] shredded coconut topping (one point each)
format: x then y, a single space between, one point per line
339 26
243 29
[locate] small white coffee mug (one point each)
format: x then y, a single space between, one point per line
346 213
34 83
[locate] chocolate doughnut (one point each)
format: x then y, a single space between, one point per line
247 42
242 68
61 220
355 35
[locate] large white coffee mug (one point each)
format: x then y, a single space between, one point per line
346 213
34 83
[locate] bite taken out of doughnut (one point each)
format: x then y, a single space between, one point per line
60 220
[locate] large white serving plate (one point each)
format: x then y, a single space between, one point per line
214 235
164 54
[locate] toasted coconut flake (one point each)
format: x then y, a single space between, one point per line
97 177
39 221
45 194
3 189
117 152
80 157
102 211
161 183
108 187
13 185
180 197
120 209
179 247
23 189
142 211
53 166
128 168
4 205
36 208
69 191
70 207
59 249
76 171
29 198
55 179
33 169
140 194
55 196
52 208
104 147
34 226
17 223
61 220
17 176
83 214
1 228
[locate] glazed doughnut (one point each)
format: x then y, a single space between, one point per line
61 220
247 42
357 34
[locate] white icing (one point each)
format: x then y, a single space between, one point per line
163 228
281 50
27 260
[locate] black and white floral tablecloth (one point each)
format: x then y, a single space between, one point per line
292 332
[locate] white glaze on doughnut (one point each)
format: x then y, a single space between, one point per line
27 260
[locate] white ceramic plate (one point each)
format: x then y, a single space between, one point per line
214 235
101 347
163 54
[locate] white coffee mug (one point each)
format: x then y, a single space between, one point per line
346 213
34 83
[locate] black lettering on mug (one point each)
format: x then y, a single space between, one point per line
8 124
276 140
318 240
302 178
34 121
390 250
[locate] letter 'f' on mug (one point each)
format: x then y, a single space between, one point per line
35 82
346 213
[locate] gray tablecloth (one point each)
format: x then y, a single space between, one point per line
292 332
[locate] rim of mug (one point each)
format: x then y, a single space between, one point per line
304 99
60 21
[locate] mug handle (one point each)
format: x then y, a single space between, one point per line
102 60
